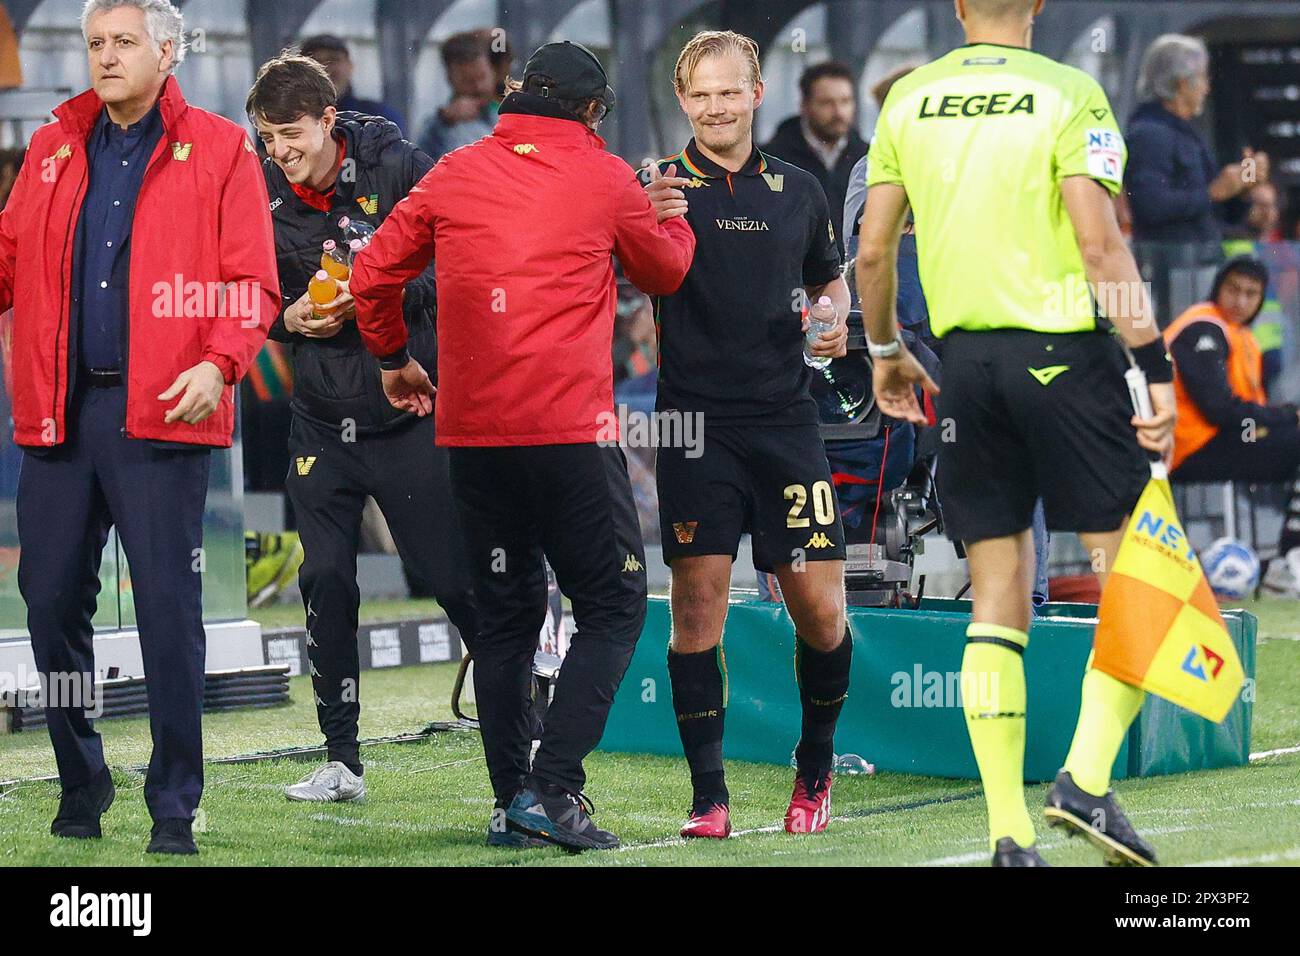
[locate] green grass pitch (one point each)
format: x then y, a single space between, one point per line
429 802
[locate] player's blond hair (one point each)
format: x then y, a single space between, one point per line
715 43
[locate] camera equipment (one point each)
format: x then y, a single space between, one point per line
880 552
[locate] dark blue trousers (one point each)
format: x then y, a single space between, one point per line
69 496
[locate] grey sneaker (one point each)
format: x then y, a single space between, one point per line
328 784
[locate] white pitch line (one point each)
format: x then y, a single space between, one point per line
1264 754
960 859
1279 857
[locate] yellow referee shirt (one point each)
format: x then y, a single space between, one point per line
981 139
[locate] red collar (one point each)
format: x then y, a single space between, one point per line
319 200
516 128
80 113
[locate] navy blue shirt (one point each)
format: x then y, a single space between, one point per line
100 266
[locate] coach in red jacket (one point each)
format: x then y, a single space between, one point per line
524 223
136 251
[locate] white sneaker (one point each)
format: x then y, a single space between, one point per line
1283 575
328 784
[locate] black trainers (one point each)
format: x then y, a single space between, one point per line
1010 853
499 832
81 807
1100 819
551 813
172 836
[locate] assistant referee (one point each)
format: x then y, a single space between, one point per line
1009 161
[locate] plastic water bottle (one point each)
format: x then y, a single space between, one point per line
822 317
356 230
851 765
848 765
335 261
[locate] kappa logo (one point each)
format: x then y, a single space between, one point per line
63 152
775 181
1045 376
1196 667
1206 343
685 531
523 149
695 183
304 465
818 541
369 204
632 564
181 151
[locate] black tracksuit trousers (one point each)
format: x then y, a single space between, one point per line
573 505
328 482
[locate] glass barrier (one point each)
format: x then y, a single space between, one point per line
222 559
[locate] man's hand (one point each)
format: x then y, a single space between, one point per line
665 192
409 389
1157 432
202 385
1232 180
832 344
894 382
1260 161
300 317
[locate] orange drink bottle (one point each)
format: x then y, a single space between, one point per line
323 288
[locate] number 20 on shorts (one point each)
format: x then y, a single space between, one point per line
823 505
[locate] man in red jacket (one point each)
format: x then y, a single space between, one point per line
524 222
136 251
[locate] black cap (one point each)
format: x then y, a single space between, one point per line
568 71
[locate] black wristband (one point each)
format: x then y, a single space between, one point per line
398 359
1154 361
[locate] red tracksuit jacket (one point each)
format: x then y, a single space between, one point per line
203 276
524 222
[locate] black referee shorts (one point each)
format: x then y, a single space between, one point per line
773 482
1025 415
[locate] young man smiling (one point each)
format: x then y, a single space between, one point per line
731 347
346 442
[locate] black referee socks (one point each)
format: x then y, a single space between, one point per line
700 701
823 678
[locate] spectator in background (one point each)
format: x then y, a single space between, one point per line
1227 430
477 75
1173 181
332 53
823 139
1264 216
635 357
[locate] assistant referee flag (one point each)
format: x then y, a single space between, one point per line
1159 625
